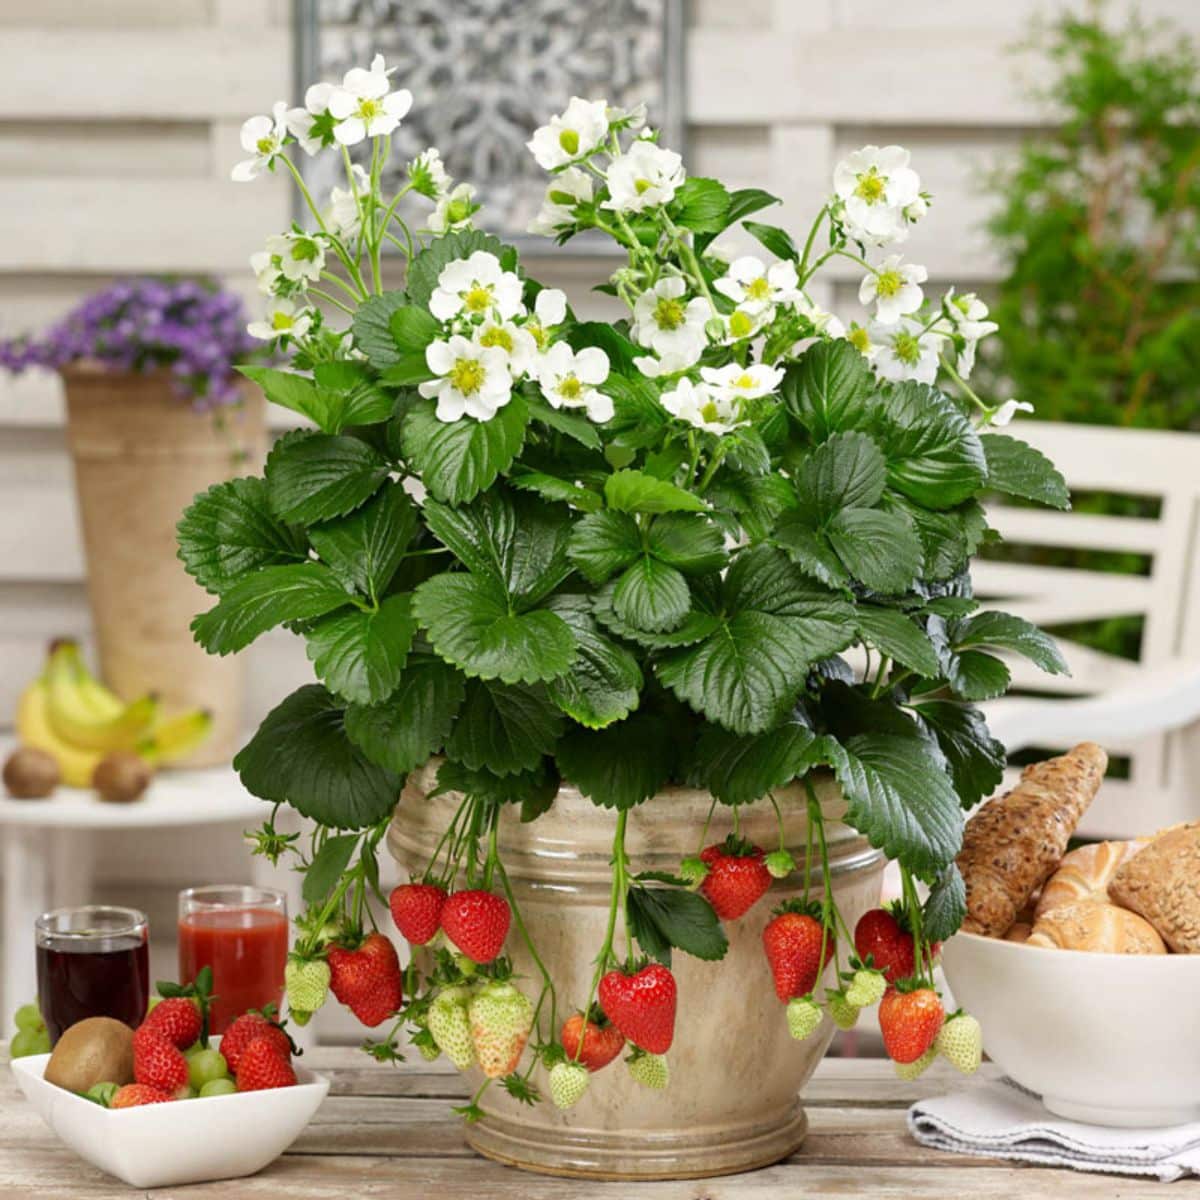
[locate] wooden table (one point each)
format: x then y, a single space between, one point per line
389 1132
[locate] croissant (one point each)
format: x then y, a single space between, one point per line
1084 874
1162 883
1096 926
1013 843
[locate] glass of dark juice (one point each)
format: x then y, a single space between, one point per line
92 961
242 934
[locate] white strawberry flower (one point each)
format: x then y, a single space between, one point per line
736 382
575 133
428 175
262 138
549 310
744 323
284 318
875 187
823 322
755 287
663 321
476 287
968 314
344 213
570 379
266 271
895 289
473 380
860 338
299 256
364 105
696 404
1003 415
566 190
644 177
906 350
518 343
453 210
312 125
723 251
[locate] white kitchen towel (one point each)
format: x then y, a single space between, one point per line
1001 1120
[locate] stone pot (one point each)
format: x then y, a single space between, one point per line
141 453
733 1102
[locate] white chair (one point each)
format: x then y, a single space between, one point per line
1145 713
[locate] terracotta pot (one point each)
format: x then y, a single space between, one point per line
141 453
733 1101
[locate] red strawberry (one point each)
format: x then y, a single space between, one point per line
157 1063
890 945
909 1022
737 877
477 923
792 941
261 1066
601 1042
367 980
417 910
177 1019
246 1029
132 1095
642 1006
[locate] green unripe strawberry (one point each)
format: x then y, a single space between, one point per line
650 1070
501 1018
451 1028
913 1070
429 1051
780 864
866 988
307 984
804 1017
568 1082
844 1014
960 1043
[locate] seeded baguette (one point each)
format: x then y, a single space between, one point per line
1015 841
1162 884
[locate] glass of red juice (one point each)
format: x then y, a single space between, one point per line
242 934
92 961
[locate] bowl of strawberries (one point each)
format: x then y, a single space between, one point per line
194 1108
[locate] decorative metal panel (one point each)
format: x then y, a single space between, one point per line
485 73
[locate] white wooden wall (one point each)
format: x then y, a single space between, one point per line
119 121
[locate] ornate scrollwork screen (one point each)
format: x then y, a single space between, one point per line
484 73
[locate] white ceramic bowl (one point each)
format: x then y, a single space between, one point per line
1110 1039
186 1141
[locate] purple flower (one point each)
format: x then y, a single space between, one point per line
188 326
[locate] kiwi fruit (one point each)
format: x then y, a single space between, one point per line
31 774
94 1050
121 776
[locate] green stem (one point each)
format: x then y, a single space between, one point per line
778 820
713 463
330 299
808 242
522 929
884 664
336 243
712 808
948 367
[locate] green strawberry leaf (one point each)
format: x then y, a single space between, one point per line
365 548
372 328
637 492
878 548
689 542
744 769
945 906
662 919
650 595
603 543
604 683
1007 632
504 729
846 471
424 269
897 635
301 756
315 477
975 758
830 390
327 866
1017 469
621 765
359 655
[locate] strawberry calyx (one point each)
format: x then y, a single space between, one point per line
271 1014
735 846
914 983
805 908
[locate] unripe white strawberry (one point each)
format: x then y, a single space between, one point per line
913 1070
307 985
568 1082
843 1012
501 1018
960 1043
650 1070
451 1028
866 988
803 1017
780 864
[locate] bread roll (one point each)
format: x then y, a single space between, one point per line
1096 926
1013 843
1019 931
1084 874
1162 883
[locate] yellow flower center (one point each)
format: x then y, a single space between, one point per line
537 333
758 289
642 185
266 145
570 388
282 320
569 141
888 283
467 375
962 303
859 339
906 347
477 298
369 109
497 336
458 210
668 313
744 382
710 412
741 324
871 186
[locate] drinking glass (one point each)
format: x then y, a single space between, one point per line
242 934
92 961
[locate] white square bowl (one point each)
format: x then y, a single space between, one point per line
185 1141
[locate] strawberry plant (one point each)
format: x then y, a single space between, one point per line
722 540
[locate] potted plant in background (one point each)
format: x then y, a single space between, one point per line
155 412
618 627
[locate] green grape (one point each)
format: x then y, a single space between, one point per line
193 1050
29 1041
206 1066
29 1017
219 1087
188 1093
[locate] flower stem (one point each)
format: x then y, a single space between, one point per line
808 242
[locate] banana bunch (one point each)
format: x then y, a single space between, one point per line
73 717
